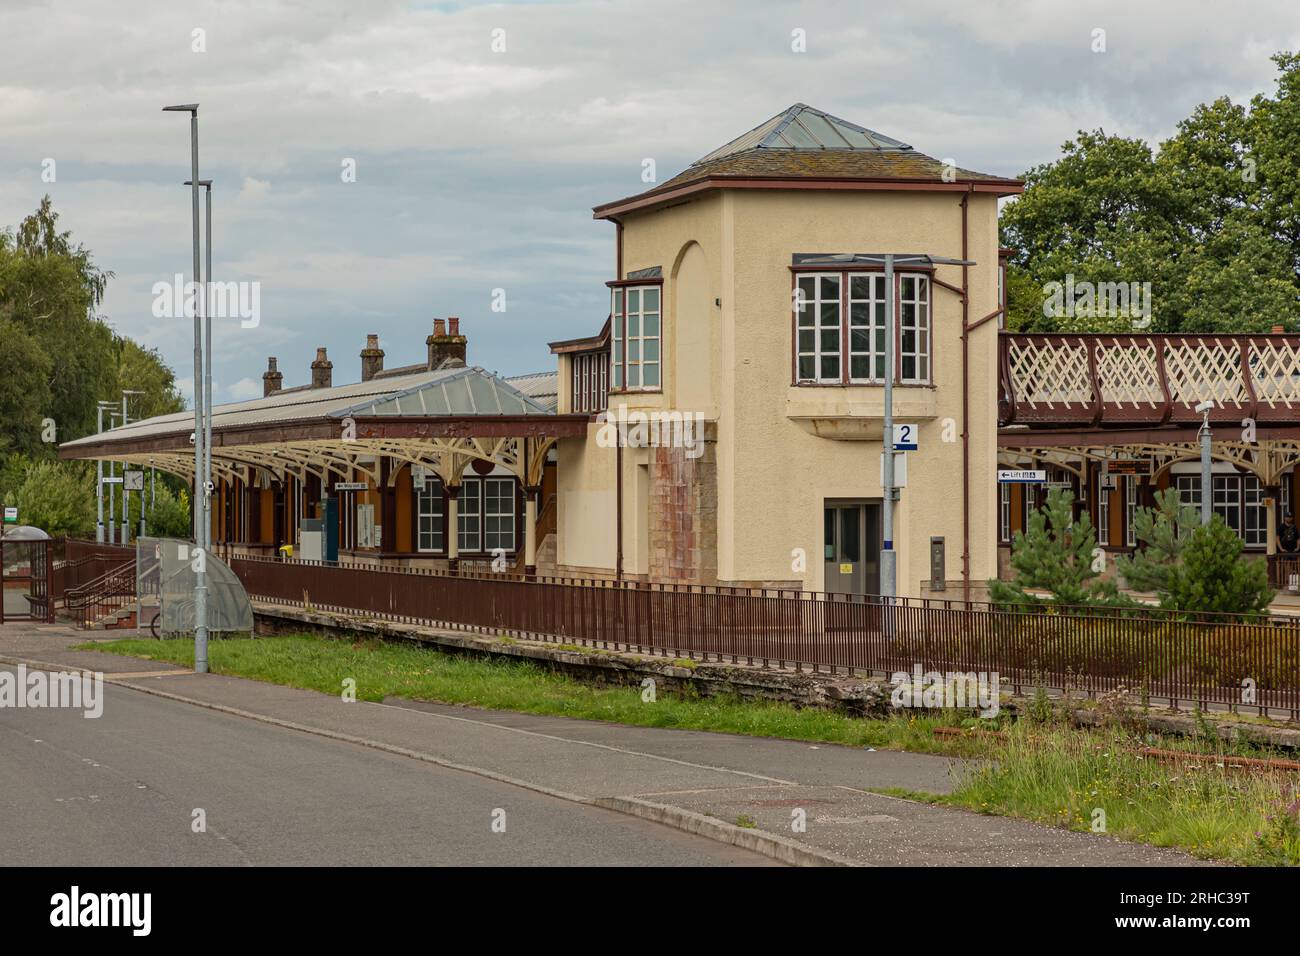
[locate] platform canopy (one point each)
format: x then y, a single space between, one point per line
441 419
1069 399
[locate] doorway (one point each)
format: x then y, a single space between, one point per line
851 547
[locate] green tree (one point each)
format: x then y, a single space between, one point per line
1055 555
1161 534
143 370
57 497
1213 576
1211 220
170 515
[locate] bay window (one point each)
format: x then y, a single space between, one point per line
635 330
840 328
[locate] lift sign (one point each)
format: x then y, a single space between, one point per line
1022 477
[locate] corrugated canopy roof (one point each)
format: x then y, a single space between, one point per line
465 391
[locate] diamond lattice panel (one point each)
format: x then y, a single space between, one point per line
1275 370
1046 374
1129 374
1205 368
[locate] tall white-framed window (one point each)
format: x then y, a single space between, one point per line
866 327
635 329
499 514
1130 509
817 307
1227 500
1004 511
429 516
914 328
1254 513
1103 513
469 515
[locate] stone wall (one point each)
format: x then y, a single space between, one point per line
683 518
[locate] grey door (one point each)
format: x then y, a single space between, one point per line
851 547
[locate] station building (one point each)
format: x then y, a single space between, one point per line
722 424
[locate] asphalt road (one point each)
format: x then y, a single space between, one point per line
122 790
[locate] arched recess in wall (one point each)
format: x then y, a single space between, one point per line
692 334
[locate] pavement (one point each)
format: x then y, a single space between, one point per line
365 782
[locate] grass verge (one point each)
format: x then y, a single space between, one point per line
383 669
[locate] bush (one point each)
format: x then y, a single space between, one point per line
1213 577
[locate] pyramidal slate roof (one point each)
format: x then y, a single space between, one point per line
803 127
809 144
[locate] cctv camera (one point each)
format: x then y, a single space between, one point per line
1205 406
191 438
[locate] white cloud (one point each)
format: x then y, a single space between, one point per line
477 170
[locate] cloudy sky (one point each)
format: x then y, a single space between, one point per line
477 169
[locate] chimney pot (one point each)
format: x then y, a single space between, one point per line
372 358
271 378
322 370
446 347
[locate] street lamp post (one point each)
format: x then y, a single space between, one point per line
99 479
126 492
1207 490
888 556
206 540
112 473
200 490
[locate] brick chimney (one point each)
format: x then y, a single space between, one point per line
322 370
446 344
271 378
372 358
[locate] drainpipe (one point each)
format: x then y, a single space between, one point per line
618 444
618 495
965 407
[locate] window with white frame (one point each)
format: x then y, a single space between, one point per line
1225 501
914 329
429 515
590 383
499 514
1254 513
840 328
635 328
469 515
867 328
817 307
